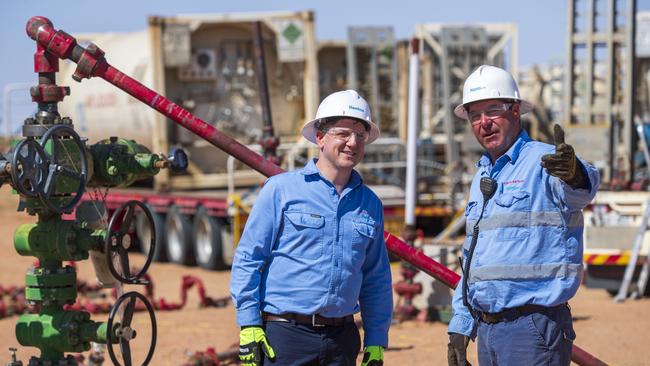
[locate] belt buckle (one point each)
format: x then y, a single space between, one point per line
313 321
490 318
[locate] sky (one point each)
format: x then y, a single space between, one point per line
541 24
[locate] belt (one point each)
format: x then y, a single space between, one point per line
313 320
514 313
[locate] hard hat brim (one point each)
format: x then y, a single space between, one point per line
309 129
524 106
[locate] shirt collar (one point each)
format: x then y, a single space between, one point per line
311 168
513 152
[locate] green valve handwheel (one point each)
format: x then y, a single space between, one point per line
57 168
119 240
29 167
122 333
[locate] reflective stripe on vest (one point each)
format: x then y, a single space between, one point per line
525 272
525 219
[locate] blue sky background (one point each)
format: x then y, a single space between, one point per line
542 24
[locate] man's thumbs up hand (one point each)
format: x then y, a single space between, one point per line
558 135
564 164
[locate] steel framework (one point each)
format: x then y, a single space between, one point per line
599 83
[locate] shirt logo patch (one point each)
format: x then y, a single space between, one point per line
365 216
512 185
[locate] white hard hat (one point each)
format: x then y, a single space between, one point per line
490 82
344 104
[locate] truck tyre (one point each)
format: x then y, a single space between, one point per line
208 245
179 237
143 232
228 252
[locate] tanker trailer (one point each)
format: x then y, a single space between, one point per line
206 64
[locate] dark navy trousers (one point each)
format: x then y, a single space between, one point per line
305 345
540 338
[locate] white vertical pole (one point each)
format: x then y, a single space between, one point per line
411 142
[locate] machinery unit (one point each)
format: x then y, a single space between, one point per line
206 64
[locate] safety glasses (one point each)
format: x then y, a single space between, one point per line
490 113
345 134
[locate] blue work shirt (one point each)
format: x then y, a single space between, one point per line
529 248
308 250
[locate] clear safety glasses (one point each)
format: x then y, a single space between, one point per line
345 134
490 113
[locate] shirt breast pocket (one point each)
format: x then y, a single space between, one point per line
363 232
302 235
511 216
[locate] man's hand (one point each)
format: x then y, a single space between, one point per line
457 350
373 356
564 164
252 342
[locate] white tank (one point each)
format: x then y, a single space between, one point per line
205 64
99 109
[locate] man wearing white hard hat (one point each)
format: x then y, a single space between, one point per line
312 253
522 257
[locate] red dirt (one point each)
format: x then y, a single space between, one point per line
616 333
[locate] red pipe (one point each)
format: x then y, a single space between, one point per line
408 253
582 357
91 62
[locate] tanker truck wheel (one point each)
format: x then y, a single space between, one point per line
228 252
143 232
179 237
208 244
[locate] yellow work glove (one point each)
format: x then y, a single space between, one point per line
373 356
252 342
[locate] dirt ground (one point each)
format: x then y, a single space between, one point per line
616 333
